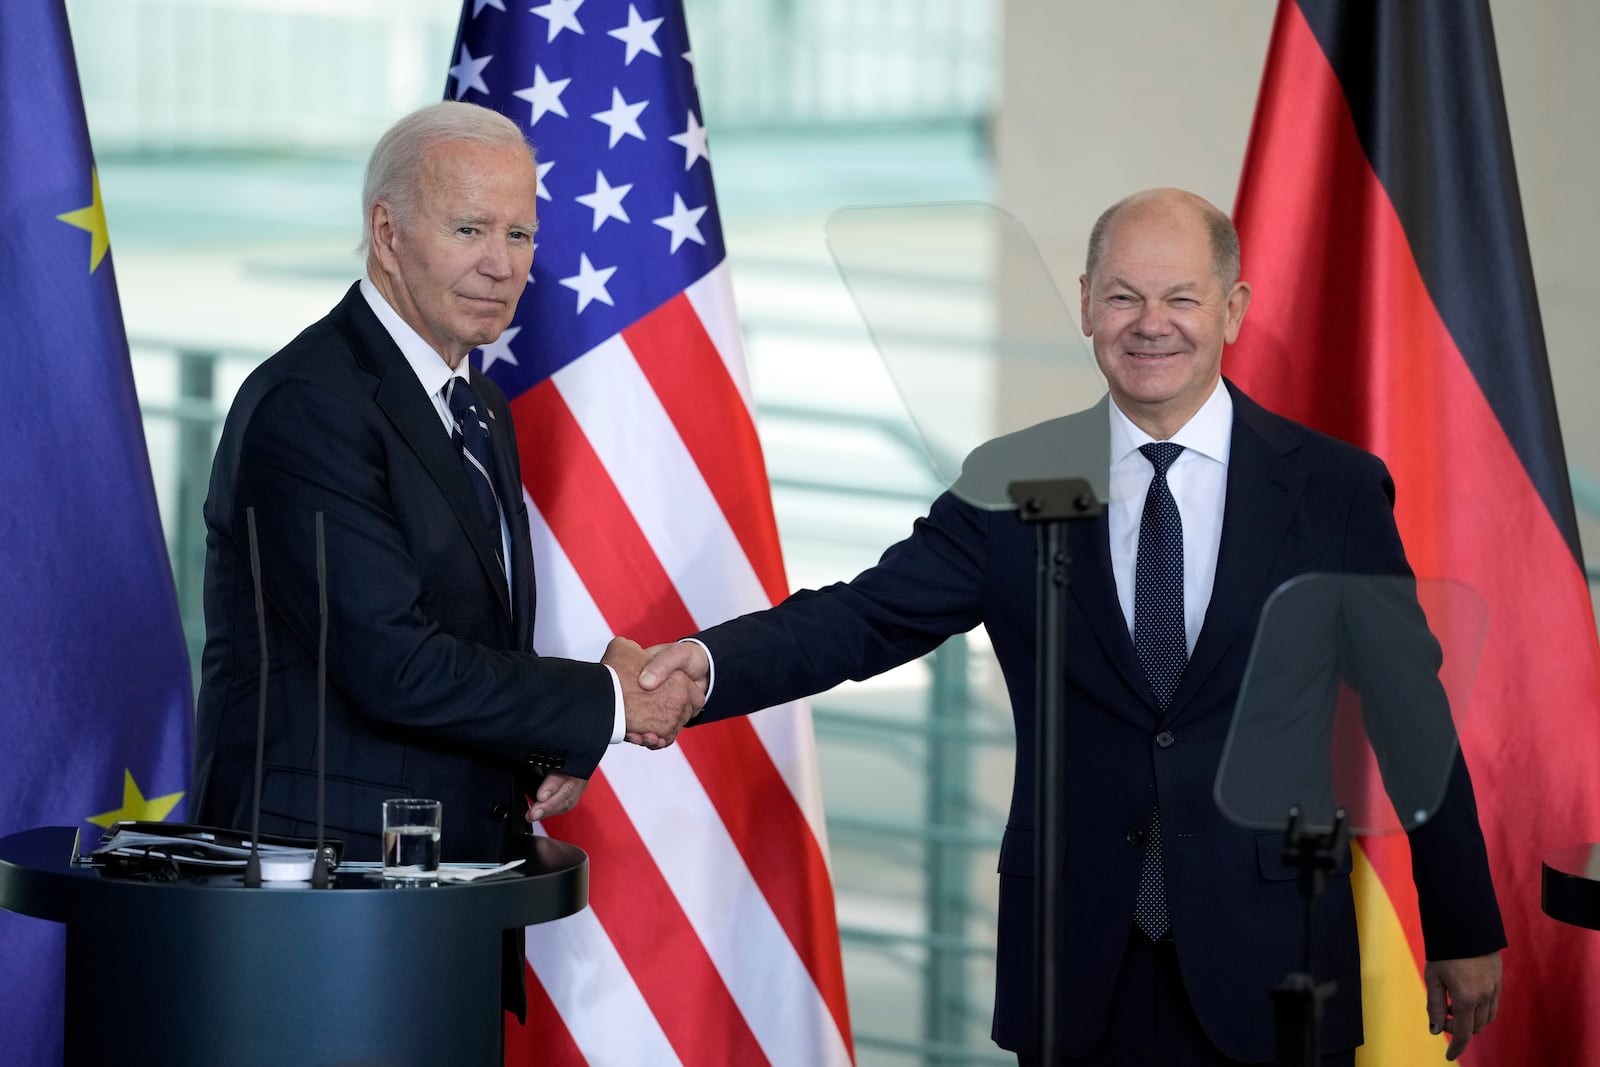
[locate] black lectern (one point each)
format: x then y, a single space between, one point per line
1570 889
204 971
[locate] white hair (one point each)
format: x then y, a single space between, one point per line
394 169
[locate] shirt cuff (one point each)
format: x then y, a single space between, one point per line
711 666
619 718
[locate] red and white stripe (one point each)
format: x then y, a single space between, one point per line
710 937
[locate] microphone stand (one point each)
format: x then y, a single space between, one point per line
319 868
252 867
1051 504
320 878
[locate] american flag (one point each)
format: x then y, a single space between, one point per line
710 937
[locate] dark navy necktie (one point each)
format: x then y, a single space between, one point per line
471 437
1158 626
1161 644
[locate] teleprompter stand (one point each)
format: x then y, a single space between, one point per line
1297 1001
1050 504
1345 724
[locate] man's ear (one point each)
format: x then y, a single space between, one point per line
383 228
1083 306
1238 304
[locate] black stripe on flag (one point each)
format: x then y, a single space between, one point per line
1423 83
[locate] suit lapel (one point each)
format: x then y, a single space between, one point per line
1081 442
1264 489
1094 588
508 486
412 414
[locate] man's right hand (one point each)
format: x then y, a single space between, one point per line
686 656
654 715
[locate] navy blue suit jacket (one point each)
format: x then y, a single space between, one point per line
433 686
1297 502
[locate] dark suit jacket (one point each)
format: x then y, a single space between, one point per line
433 687
1297 502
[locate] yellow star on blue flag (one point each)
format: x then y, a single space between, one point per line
95 674
92 219
136 807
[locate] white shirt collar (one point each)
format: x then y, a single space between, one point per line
431 369
1209 431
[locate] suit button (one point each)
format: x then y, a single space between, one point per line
501 812
1135 836
1165 739
544 762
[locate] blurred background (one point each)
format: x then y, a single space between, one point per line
230 137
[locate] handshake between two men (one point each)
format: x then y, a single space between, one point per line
663 687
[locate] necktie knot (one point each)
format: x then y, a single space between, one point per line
464 405
1161 454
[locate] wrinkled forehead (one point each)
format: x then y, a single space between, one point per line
464 162
469 176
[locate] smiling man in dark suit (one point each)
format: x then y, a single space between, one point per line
373 418
1175 922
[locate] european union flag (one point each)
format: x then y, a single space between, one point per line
95 704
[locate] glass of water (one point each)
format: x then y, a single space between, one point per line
411 838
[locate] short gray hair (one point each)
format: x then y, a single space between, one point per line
1219 227
395 167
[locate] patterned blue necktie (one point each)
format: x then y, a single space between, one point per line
1158 627
471 437
1161 644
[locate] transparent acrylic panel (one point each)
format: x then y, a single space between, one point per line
1351 700
980 345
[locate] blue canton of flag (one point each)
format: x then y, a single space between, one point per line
95 704
627 215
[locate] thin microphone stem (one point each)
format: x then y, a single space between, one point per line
252 869
319 870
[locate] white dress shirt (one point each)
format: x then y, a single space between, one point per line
1198 479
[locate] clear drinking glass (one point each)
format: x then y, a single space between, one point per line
411 838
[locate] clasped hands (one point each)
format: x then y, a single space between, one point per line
663 687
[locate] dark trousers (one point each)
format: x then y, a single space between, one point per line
1152 1023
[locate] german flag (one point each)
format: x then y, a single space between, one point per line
1395 308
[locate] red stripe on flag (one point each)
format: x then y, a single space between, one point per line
654 937
682 365
1336 286
589 519
593 524
768 828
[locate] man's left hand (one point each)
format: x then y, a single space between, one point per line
558 794
1463 996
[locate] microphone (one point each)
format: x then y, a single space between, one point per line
319 872
252 868
290 865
